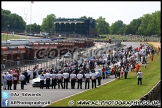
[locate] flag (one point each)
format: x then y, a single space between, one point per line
32 1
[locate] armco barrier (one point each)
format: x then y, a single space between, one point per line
151 95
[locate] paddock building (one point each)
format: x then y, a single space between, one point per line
75 27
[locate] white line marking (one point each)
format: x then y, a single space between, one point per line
79 93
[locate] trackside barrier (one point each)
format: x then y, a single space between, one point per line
151 95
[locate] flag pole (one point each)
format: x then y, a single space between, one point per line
30 15
25 13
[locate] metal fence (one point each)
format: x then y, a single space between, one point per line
133 37
27 64
58 61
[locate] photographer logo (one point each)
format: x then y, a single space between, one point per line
5 102
5 94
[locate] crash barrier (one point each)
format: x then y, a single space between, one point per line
56 62
128 38
151 95
29 64
112 41
140 40
96 52
106 48
131 40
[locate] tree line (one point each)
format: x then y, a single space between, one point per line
148 24
11 20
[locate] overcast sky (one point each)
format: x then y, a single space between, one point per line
111 11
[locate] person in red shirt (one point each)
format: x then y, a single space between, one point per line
137 49
158 50
152 57
137 67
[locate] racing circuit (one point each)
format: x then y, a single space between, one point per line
57 94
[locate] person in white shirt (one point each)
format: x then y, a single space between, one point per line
66 79
73 79
122 71
42 77
28 77
5 81
139 76
87 65
87 79
93 78
9 81
59 77
47 77
54 80
72 67
15 79
80 77
96 66
141 58
22 79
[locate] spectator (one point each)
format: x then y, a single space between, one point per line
28 77
139 76
80 78
22 79
4 76
103 72
93 78
87 79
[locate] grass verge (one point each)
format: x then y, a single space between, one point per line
121 89
3 37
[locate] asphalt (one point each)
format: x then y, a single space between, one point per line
49 94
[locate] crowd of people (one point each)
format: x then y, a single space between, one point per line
118 61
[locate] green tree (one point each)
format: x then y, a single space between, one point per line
102 26
84 17
122 30
5 11
34 28
15 21
153 27
115 27
133 26
142 30
48 23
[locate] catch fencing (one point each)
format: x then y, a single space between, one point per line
58 61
